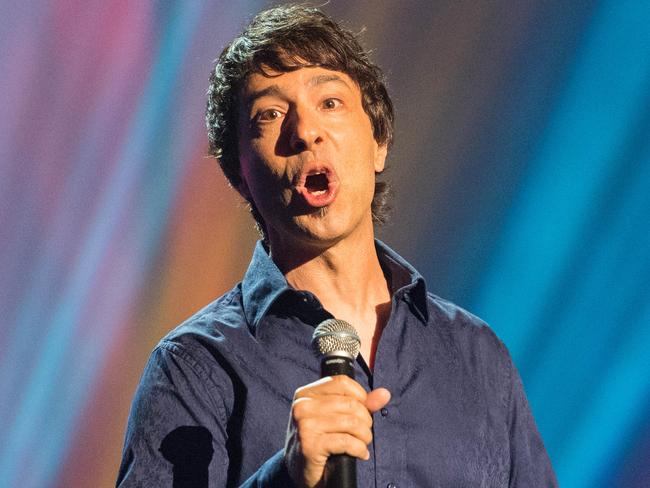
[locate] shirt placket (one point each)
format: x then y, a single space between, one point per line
389 432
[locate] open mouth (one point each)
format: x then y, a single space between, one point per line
318 186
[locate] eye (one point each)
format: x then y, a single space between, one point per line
269 115
331 103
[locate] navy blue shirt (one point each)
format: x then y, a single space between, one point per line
214 400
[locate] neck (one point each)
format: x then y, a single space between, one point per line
347 279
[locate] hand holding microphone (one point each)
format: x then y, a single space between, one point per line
331 416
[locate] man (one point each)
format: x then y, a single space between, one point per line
300 121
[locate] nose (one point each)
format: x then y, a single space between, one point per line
305 130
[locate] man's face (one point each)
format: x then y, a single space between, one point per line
308 156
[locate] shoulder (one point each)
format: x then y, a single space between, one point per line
471 338
458 321
217 326
205 347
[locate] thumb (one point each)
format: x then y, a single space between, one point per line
377 398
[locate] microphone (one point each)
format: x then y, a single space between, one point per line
338 344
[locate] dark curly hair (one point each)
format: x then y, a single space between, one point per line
283 39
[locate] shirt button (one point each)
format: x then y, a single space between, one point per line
384 413
391 485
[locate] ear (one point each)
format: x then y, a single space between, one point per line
380 157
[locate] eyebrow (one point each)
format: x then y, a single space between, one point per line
321 79
276 91
270 91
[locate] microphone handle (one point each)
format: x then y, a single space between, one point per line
341 469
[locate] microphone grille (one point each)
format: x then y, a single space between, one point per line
335 335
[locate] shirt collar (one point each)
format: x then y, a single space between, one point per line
264 283
405 281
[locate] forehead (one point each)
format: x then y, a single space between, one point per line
272 83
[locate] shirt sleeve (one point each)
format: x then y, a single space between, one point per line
176 433
530 466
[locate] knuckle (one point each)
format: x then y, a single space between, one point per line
305 426
350 421
349 444
300 408
367 436
342 381
300 392
367 420
350 404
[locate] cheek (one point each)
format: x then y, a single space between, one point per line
265 183
256 178
362 178
364 155
254 165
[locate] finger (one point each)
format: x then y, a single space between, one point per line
331 414
331 405
340 444
333 385
335 424
377 399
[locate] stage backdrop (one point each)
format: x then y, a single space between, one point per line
521 172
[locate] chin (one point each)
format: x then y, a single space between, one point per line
325 228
